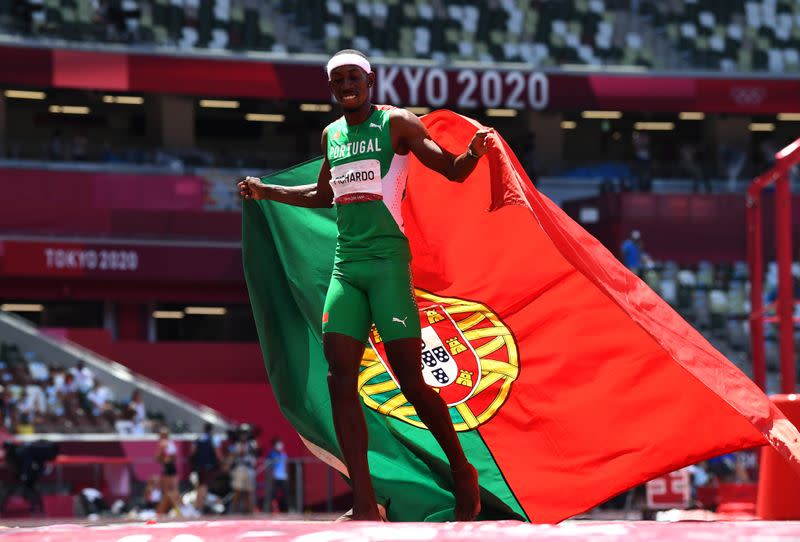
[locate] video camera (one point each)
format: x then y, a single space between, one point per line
243 429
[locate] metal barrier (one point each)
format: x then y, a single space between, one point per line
778 176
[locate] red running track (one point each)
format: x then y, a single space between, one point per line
318 531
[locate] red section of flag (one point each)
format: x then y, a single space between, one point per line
614 387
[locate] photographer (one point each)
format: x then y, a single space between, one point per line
242 457
206 458
27 464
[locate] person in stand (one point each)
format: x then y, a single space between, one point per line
631 252
137 412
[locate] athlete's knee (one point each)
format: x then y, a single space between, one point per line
340 379
415 389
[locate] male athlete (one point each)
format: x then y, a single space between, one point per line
364 173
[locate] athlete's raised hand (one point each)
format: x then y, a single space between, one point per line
252 188
478 145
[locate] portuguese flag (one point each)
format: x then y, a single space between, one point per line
568 379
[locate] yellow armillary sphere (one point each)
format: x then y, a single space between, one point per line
468 356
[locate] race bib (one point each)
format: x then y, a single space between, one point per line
357 181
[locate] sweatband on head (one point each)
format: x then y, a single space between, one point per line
348 59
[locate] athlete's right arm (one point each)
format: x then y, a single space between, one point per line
317 195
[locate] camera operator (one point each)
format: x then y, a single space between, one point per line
27 464
242 457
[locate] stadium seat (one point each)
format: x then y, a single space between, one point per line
709 34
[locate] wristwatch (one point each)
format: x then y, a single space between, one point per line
471 153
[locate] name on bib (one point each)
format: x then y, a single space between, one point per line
357 181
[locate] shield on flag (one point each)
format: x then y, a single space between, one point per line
468 356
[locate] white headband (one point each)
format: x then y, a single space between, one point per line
346 59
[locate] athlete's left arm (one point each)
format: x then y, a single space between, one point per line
413 136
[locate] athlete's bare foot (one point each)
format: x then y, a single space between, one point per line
467 492
378 515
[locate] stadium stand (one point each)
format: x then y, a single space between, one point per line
713 297
38 397
540 33
733 34
207 24
708 34
47 386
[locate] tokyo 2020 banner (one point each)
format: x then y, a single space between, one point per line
398 83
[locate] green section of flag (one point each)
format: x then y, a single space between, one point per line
288 257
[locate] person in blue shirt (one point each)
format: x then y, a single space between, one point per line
632 252
277 461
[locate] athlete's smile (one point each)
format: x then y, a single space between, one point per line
350 86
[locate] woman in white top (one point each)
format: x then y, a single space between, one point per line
167 455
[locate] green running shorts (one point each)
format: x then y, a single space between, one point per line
367 291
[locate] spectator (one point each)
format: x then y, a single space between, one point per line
108 155
151 495
38 398
57 148
772 294
732 159
137 412
38 370
80 148
99 399
723 467
92 502
632 252
277 460
57 376
698 477
83 376
8 408
28 407
68 394
54 402
243 456
167 455
642 160
206 459
690 160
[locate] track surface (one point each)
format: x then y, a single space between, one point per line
323 531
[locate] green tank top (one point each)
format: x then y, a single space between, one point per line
368 181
